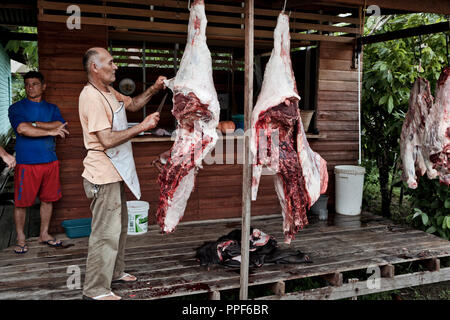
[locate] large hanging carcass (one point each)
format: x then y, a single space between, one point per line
279 140
196 108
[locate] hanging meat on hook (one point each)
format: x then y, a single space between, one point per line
413 157
437 130
279 141
425 137
196 108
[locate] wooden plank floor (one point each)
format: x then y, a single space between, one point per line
166 267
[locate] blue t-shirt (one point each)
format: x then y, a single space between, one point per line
30 150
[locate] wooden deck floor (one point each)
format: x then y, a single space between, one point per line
166 267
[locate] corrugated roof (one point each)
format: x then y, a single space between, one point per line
18 13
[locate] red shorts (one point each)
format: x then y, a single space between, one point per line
32 180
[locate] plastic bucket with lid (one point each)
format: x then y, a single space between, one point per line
137 217
349 189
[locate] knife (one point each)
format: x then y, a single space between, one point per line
162 103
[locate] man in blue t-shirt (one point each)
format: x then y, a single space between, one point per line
36 123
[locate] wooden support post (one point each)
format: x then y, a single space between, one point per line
387 271
247 167
433 264
336 279
214 295
279 288
353 280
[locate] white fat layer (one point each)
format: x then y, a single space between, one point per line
177 204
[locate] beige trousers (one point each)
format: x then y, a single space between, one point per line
106 250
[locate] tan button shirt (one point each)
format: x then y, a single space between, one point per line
95 115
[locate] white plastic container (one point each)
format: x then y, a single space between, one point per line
137 217
349 189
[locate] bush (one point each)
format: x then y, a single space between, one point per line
431 202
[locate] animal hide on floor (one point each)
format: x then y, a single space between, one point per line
263 248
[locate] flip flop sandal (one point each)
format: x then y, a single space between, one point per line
101 296
23 249
120 280
52 245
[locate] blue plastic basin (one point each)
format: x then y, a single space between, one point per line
77 228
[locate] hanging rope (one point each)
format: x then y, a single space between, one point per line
189 5
284 7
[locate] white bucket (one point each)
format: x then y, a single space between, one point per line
349 189
137 217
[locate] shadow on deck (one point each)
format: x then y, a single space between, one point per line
166 267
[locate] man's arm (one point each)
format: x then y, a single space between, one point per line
110 139
7 158
141 100
28 130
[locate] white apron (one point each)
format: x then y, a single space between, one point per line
121 156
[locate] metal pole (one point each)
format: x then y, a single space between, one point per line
247 166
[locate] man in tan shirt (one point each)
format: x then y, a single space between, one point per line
98 104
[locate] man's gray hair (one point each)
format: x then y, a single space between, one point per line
90 56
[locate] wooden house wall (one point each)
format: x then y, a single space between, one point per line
336 109
218 191
60 61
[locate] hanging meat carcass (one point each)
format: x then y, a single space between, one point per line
196 108
279 141
425 137
414 158
437 130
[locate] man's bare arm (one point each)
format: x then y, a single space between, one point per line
48 125
141 100
110 139
26 129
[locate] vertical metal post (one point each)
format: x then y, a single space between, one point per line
247 166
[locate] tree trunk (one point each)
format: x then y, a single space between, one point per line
383 169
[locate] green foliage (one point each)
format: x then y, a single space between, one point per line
431 202
390 69
28 48
18 89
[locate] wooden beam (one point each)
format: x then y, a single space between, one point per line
18 36
431 6
406 33
214 295
247 166
279 288
336 279
387 271
352 282
14 5
360 288
433 264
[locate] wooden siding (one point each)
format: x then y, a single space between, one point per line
60 61
218 191
5 92
337 108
